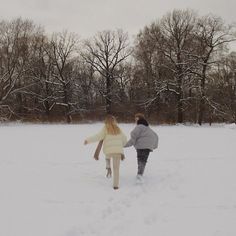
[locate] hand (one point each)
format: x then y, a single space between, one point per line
122 157
85 142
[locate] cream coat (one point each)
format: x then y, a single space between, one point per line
111 143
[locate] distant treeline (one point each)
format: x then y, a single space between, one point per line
178 69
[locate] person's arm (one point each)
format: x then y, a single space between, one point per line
124 139
98 149
97 137
156 141
133 137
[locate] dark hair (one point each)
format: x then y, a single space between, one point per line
139 116
142 121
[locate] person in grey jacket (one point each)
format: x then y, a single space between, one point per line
145 140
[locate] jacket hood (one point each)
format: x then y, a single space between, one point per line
142 122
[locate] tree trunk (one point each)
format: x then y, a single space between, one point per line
46 103
202 98
179 101
180 109
66 101
108 95
201 109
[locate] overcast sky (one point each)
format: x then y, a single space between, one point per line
86 17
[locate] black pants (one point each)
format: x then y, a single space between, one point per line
142 156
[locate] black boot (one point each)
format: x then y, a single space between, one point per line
109 173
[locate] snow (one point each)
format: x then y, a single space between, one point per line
51 186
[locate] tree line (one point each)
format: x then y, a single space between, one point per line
178 69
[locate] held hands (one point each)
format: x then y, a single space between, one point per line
122 157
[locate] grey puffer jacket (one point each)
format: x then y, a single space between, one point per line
143 137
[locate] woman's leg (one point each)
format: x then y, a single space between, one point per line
142 156
108 163
108 167
116 170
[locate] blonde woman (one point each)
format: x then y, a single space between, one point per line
113 143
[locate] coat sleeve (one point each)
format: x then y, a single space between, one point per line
156 141
133 137
97 137
124 139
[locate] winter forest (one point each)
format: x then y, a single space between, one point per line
179 68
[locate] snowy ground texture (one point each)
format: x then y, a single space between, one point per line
51 186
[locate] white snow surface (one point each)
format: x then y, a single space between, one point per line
50 185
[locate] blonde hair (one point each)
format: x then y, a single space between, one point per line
111 125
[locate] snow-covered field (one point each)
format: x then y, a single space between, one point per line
51 186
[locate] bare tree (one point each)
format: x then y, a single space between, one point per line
42 92
177 31
153 74
15 38
221 97
62 51
105 53
211 37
